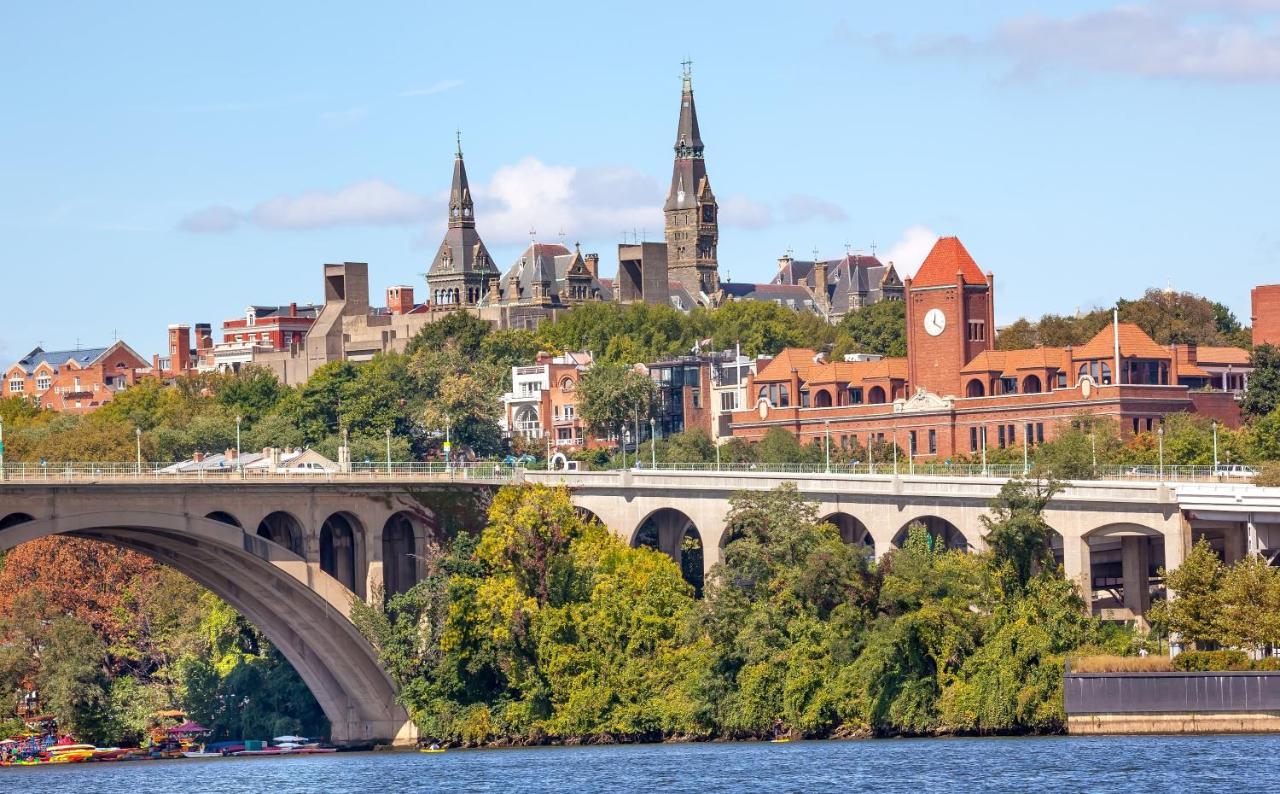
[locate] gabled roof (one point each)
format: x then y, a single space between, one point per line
84 357
947 258
1236 356
1134 343
1009 363
780 366
856 371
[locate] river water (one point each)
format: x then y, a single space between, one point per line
1093 764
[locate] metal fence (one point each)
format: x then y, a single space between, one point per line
500 471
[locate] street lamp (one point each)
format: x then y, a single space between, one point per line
448 444
1093 446
1160 437
827 427
1215 447
137 433
1025 460
239 465
984 450
1 448
653 443
388 452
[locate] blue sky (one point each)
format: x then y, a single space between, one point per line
162 163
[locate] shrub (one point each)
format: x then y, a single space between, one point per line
1121 664
1211 661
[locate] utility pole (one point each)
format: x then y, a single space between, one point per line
1093 446
984 450
448 444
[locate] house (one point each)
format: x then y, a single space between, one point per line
75 381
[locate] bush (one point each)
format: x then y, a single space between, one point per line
1121 664
1211 661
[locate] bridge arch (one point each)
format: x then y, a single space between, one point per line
940 529
673 533
341 550
405 538
13 519
301 610
224 517
282 529
852 531
1121 575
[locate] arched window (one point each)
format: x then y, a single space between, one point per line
566 384
822 399
975 389
876 395
1031 385
1106 374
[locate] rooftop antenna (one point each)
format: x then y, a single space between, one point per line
847 247
815 254
563 237
873 247
644 235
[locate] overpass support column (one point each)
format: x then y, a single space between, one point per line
1135 562
1251 537
1076 566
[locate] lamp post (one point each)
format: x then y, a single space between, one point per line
1025 456
448 444
984 450
717 456
239 465
1093 446
1 448
137 435
1160 438
388 452
653 443
1215 447
827 442
895 450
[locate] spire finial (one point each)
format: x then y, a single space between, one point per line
458 133
687 73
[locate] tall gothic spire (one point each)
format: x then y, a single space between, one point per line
688 140
692 225
462 213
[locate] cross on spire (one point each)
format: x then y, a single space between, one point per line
458 133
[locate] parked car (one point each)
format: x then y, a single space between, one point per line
306 467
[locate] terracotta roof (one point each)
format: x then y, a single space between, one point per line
948 258
1011 362
857 371
1134 342
1222 355
797 358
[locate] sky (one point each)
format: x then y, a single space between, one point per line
166 163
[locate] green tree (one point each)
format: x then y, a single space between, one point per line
1250 607
1195 612
878 328
459 329
611 395
1017 535
1263 394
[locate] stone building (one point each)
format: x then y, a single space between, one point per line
462 272
692 215
545 279
847 284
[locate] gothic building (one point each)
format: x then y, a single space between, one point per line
839 286
462 272
692 222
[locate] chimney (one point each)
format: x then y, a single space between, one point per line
204 336
197 456
179 348
399 299
293 309
820 283
592 262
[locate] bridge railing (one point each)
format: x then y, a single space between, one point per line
169 472
1141 473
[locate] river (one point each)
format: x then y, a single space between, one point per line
1094 764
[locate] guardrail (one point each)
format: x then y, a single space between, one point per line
488 471
1141 473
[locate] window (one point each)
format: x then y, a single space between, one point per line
1039 432
804 398
1150 424
784 395
933 442
1061 379
15 385
43 381
1000 437
1012 435
568 412
1027 434
973 439
1135 425
778 394
555 411
911 437
729 401
855 395
697 398
1009 385
566 384
977 330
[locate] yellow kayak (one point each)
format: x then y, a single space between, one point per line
429 750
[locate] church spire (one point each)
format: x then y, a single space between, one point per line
688 140
692 226
461 208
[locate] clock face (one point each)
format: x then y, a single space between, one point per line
935 322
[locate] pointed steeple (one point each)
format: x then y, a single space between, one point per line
688 139
692 226
462 212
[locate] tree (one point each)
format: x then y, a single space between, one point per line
1171 317
1194 613
1016 533
1250 608
1263 395
878 328
251 392
759 328
611 395
462 329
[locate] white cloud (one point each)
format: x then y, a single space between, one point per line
371 202
909 251
436 88
801 207
738 210
210 220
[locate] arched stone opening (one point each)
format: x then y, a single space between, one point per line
875 396
691 559
822 399
1123 570
399 554
1031 385
284 530
13 519
303 614
852 531
942 532
975 388
341 539
588 516
668 530
224 517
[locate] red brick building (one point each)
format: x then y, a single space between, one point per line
74 381
954 391
1266 314
276 327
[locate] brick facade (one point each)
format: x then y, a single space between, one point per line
76 381
1266 314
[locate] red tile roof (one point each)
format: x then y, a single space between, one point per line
1134 343
948 258
1222 355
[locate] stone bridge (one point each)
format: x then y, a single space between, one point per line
293 555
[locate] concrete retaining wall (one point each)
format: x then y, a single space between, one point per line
1243 702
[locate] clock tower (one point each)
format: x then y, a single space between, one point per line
950 318
692 215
